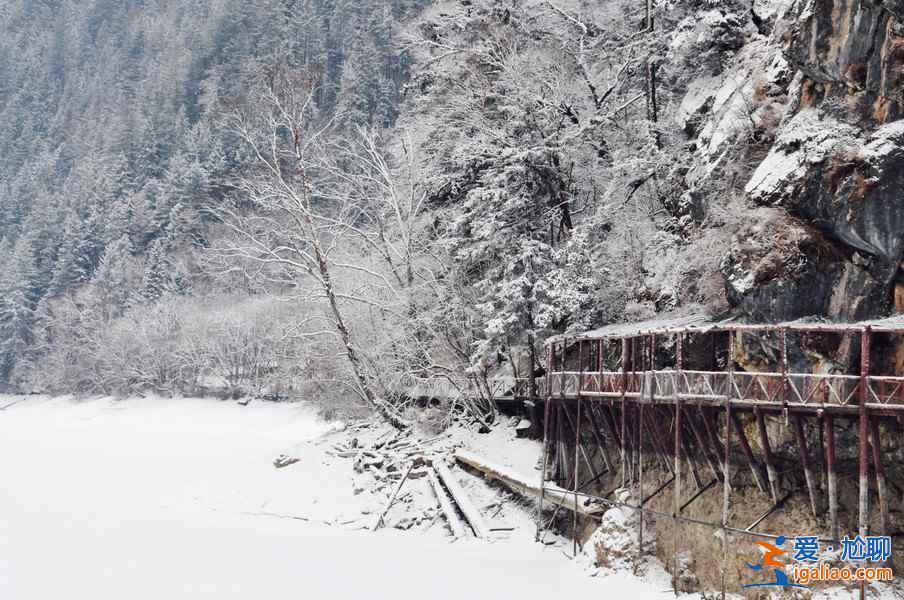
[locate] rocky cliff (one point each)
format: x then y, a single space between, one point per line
815 94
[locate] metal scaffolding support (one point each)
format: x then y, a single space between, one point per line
599 401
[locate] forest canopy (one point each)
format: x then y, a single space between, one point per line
343 198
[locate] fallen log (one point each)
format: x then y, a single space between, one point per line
455 524
521 484
472 515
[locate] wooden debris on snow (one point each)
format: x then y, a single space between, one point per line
384 460
284 461
455 524
525 486
523 428
472 515
382 515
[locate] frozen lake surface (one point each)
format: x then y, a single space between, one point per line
176 499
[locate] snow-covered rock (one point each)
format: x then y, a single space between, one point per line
847 183
769 10
613 545
808 139
741 102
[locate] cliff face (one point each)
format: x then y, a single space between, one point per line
824 231
851 52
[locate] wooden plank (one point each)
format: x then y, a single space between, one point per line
521 484
472 515
455 524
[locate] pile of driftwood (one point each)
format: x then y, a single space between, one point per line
463 517
393 459
388 461
384 454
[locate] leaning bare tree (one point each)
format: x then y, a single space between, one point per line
287 227
421 347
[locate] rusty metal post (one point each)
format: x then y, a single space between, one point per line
623 436
561 451
863 432
640 495
784 370
550 348
676 508
648 392
546 417
824 468
580 386
599 358
809 476
581 359
653 352
832 477
631 407
726 465
561 457
577 446
876 444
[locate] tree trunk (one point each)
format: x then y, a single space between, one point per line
351 354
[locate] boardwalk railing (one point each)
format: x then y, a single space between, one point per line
769 390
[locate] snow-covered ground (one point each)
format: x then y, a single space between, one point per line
159 498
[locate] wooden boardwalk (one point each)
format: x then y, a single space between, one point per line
688 407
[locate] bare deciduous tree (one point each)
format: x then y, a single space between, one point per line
283 226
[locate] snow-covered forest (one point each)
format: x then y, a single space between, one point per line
480 176
299 198
376 225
